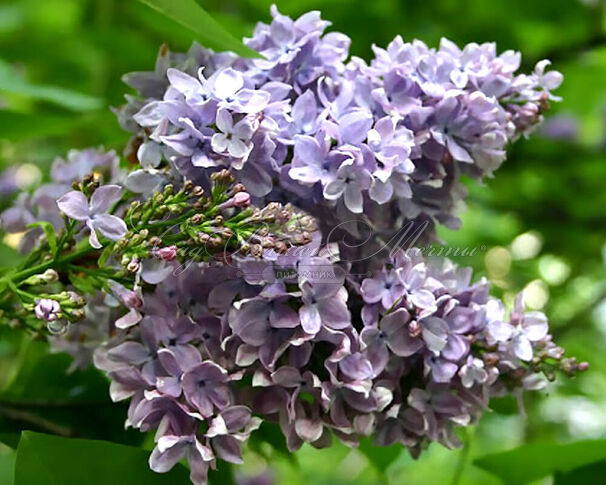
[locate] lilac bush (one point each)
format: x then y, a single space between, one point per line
235 273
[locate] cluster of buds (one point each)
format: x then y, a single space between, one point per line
57 310
196 225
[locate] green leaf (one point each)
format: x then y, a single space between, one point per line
105 254
191 15
44 396
7 467
538 460
270 433
594 473
49 232
19 126
45 459
380 456
11 82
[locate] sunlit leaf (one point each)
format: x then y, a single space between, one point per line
538 460
380 456
7 466
191 15
12 83
20 126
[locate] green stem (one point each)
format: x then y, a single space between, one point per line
463 455
26 273
24 295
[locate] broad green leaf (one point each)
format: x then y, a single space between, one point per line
19 126
9 257
49 232
594 473
7 467
45 459
44 396
191 15
538 460
11 82
380 456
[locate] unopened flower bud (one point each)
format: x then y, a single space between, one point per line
197 218
491 358
280 247
50 276
241 199
167 253
133 266
583 366
414 329
47 309
256 250
130 298
155 241
77 314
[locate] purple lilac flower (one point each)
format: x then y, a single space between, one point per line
402 117
216 350
94 214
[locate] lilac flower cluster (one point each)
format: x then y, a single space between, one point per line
403 356
306 124
288 329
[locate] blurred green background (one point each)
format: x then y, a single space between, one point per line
541 222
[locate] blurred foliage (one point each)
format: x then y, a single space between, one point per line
540 224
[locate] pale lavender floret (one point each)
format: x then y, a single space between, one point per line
228 430
205 388
324 300
82 162
94 214
473 371
527 328
312 161
350 181
234 138
171 449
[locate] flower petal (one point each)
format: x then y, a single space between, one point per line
74 205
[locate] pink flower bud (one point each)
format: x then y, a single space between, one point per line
241 199
132 300
167 253
414 329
